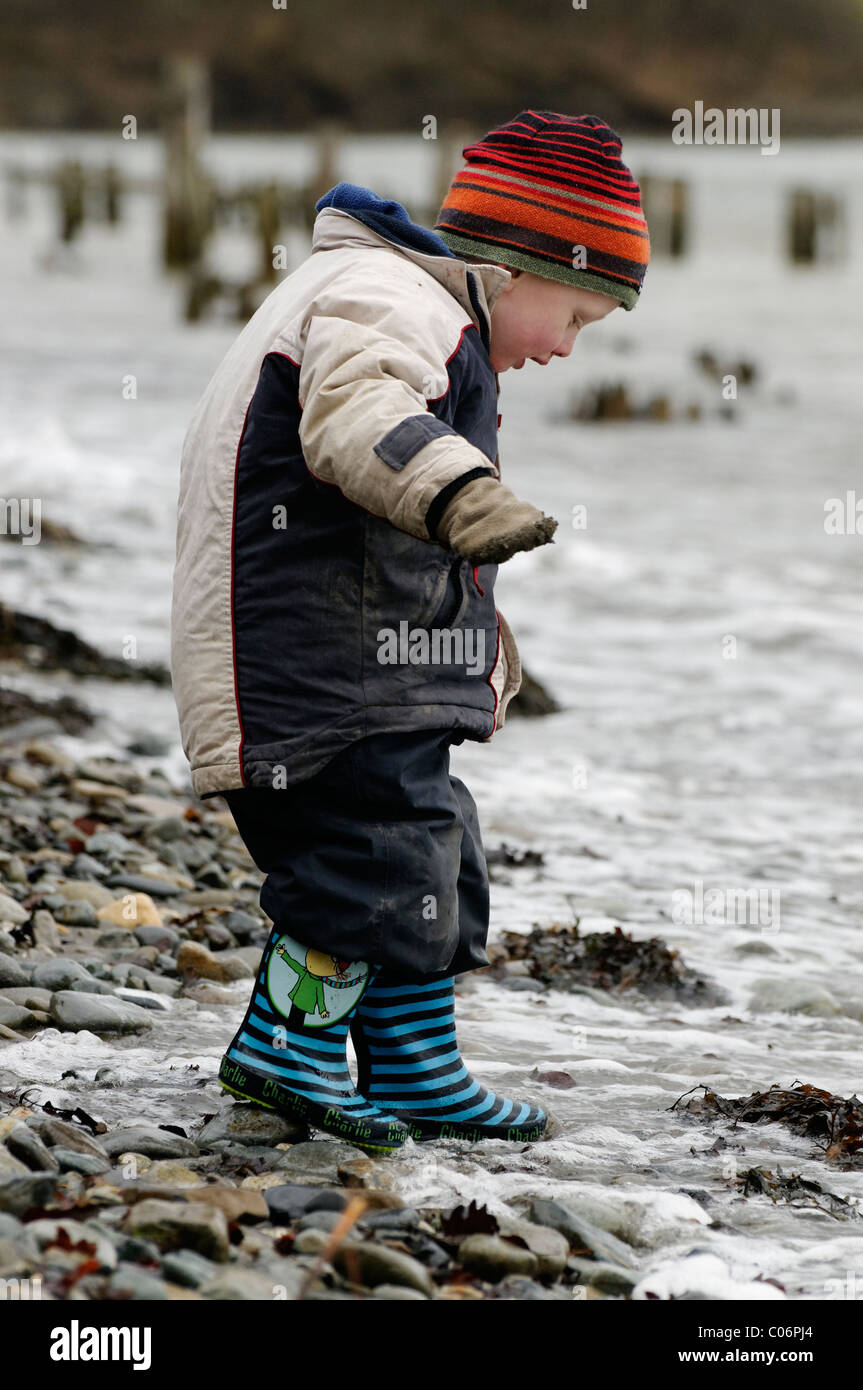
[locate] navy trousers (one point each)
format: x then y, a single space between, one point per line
378 857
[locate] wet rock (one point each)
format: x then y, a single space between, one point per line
148 1140
77 914
317 1162
188 1269
492 1258
71 1161
319 1221
75 1011
609 1278
399 1293
55 1236
19 1194
364 1262
517 1287
12 911
162 937
793 997
548 1245
196 961
581 1234
145 999
62 1134
288 1201
12 973
239 1284
249 1124
142 884
237 1204
16 1016
46 935
10 1166
187 1225
24 1143
129 1283
53 975
171 1172
28 996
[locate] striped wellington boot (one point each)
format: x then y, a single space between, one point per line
289 1053
409 1063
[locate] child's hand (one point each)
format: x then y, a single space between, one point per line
486 523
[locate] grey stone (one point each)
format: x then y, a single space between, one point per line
85 866
249 1124
608 1278
12 911
80 913
240 1284
10 1166
581 1233
491 1258
516 1287
190 1225
319 1221
791 996
128 1282
19 1194
77 1011
145 998
71 1161
289 1201
187 1268
12 972
317 1162
148 1140
399 1293
550 1247
29 996
112 844
15 1262
62 1134
46 935
59 974
16 1016
24 1143
163 937
140 883
365 1262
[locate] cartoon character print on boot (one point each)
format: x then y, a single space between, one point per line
323 988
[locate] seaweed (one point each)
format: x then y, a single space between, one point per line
835 1123
560 956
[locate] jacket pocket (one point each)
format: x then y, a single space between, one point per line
455 597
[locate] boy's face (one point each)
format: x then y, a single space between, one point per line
539 319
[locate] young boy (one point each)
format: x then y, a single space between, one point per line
334 631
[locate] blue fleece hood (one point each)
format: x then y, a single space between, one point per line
384 216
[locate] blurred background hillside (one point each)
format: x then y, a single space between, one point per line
83 66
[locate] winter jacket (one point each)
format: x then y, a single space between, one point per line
312 602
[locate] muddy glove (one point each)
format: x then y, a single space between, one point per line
486 523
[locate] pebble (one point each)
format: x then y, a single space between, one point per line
600 1275
62 1134
548 1245
12 911
249 1124
188 1268
143 884
48 1230
365 1262
288 1201
82 890
12 973
16 1016
397 1292
75 1011
77 914
196 961
241 1284
146 999
317 1162
581 1233
24 1143
492 1258
148 1140
191 1225
54 975
787 996
128 1282
71 1160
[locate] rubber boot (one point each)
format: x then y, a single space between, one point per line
409 1062
289 1053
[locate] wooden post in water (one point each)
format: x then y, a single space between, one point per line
449 161
185 124
328 138
70 188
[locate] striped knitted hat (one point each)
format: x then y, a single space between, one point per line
551 195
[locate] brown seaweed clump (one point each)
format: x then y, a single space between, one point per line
836 1124
561 957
